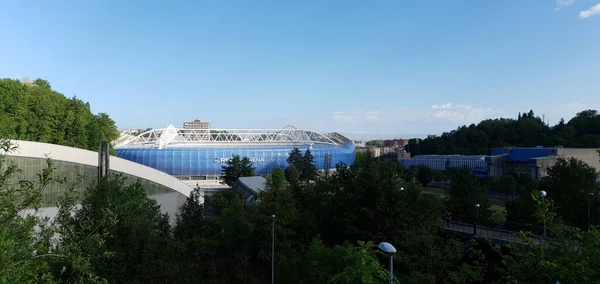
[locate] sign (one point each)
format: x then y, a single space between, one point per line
226 160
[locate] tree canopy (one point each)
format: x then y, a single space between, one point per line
527 130
32 111
237 167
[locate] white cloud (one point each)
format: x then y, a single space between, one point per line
407 122
595 10
563 3
389 123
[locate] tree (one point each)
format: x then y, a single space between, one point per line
135 236
30 250
292 175
279 202
18 260
42 83
277 179
237 167
295 159
565 258
34 112
568 183
375 143
424 174
464 194
308 170
234 234
525 131
191 220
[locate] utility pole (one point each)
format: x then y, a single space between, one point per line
273 252
103 159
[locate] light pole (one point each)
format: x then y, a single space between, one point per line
589 214
543 194
476 218
389 249
273 252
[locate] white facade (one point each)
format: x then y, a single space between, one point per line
169 202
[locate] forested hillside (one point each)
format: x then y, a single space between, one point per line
526 131
33 111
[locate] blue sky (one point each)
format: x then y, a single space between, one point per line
367 69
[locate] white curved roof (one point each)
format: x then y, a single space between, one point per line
75 155
181 136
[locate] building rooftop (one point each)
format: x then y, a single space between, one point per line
255 184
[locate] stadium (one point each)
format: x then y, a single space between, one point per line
199 154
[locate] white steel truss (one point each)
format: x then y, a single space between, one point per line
179 136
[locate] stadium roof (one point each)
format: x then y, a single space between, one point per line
188 137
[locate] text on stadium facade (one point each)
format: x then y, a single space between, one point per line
226 160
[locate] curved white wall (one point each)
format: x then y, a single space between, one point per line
75 155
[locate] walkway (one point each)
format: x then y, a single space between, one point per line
497 235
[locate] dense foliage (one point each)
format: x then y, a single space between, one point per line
325 231
237 167
30 251
32 111
526 131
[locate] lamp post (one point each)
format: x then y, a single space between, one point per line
273 252
476 218
543 194
389 249
589 214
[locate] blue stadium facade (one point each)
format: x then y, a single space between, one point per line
202 152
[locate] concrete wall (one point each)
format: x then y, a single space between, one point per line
170 202
537 167
590 156
86 157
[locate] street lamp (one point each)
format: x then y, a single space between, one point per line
476 218
273 252
589 215
543 194
389 249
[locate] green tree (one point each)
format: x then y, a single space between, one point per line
338 264
565 257
279 202
525 131
308 170
424 174
136 245
31 251
568 183
375 143
465 193
295 159
42 83
34 112
19 261
237 167
292 175
277 179
234 234
191 220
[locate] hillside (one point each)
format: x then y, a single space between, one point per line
32 111
527 130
